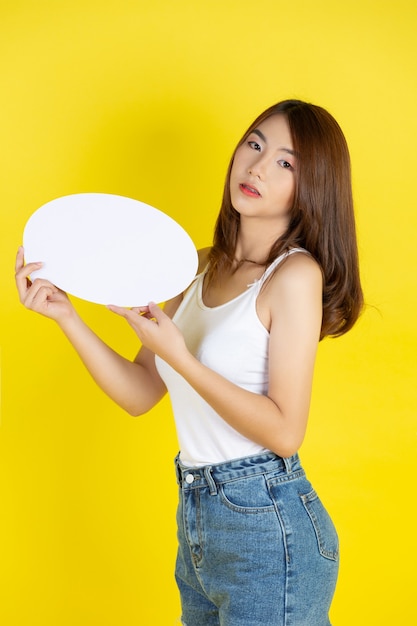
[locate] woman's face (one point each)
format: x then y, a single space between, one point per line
262 182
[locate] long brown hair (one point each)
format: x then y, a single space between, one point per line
321 219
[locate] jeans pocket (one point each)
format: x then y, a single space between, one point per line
246 495
324 529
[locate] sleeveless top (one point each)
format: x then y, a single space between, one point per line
231 340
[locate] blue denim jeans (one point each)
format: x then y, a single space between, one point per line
256 545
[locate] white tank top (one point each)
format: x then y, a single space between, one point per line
231 340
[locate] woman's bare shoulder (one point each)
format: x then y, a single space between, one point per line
295 285
299 268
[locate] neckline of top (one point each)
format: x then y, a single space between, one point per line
256 283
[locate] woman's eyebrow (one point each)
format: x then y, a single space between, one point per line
260 134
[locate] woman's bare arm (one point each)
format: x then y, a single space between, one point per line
135 386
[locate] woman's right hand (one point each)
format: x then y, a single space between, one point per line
136 387
40 295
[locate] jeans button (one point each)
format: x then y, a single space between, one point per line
189 479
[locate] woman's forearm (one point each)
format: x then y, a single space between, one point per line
131 385
255 416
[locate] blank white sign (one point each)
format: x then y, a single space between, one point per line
109 249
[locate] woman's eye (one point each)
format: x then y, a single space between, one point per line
285 164
254 145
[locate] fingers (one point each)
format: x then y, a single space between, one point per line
151 311
37 293
21 268
20 261
140 310
140 317
22 274
133 316
34 294
157 314
119 310
155 330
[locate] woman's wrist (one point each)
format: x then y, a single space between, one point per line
70 321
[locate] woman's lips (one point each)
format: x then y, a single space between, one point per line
248 190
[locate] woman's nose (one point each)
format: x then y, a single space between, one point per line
258 168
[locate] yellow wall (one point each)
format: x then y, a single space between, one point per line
147 99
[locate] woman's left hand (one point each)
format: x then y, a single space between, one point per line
156 331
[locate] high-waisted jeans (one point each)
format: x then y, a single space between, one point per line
256 545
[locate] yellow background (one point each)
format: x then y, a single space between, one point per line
147 99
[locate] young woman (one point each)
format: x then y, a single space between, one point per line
236 353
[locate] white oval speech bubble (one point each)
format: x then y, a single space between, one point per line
110 249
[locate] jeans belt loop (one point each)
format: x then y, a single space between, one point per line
178 471
210 480
288 465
